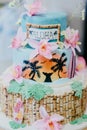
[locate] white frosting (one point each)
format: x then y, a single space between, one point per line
59 89
4 123
60 86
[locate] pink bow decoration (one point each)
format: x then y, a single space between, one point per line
48 122
35 8
18 111
71 39
43 48
18 39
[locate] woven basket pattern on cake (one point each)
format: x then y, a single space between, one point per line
67 105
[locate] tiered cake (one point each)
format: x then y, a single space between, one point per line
43 70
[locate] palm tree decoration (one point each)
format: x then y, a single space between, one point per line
60 63
34 68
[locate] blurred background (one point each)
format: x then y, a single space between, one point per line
9 17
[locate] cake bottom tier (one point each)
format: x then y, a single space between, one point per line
67 105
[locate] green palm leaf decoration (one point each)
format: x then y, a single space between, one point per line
77 87
79 120
14 87
37 91
27 90
15 125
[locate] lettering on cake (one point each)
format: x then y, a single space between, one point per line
40 34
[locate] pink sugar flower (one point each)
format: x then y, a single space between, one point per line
18 111
48 122
13 73
43 48
18 106
17 72
35 8
72 39
18 39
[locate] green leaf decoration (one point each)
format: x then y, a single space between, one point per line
77 87
62 38
27 90
23 125
28 46
37 91
84 117
79 120
15 125
74 122
14 87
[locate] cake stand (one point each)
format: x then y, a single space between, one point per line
4 123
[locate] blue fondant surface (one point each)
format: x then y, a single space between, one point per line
59 81
19 55
45 19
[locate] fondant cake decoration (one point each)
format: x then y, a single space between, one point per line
44 60
77 86
19 40
79 120
15 125
48 122
72 39
80 63
48 34
60 63
27 90
42 69
35 8
72 69
43 48
18 111
18 114
37 91
31 69
14 87
43 32
15 73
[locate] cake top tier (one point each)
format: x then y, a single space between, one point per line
45 19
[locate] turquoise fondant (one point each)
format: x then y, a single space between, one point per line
45 19
79 120
15 125
21 54
77 87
